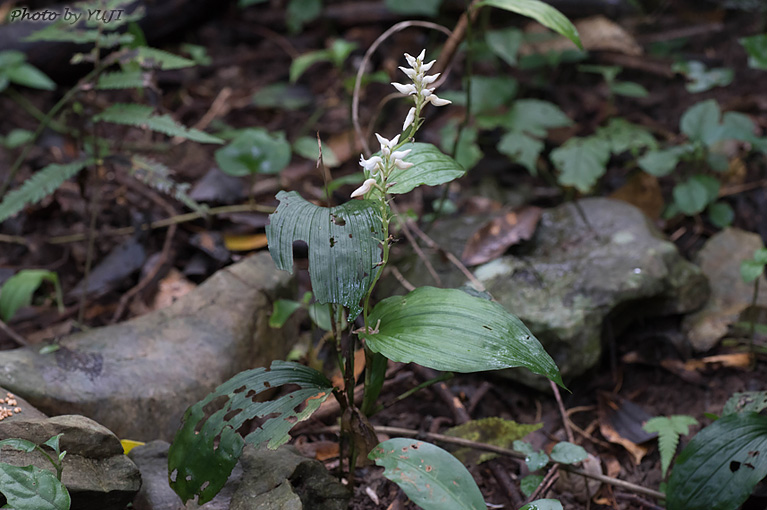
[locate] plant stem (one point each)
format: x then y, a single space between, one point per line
446 376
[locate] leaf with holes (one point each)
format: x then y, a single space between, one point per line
205 450
721 465
541 12
344 246
754 401
429 475
447 329
432 168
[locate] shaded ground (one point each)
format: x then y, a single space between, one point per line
250 49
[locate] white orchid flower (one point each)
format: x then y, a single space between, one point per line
436 101
372 165
365 188
407 89
409 119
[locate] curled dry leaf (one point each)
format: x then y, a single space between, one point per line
496 236
620 422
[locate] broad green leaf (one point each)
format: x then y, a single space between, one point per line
19 444
701 121
754 401
254 151
17 137
303 62
760 255
581 162
691 196
535 117
737 126
17 291
721 214
700 78
756 47
660 163
535 460
529 484
522 149
281 312
282 95
721 465
422 7
488 93
541 12
468 153
11 58
320 315
431 477
628 89
624 136
432 168
494 431
140 115
449 330
300 12
344 246
750 270
205 450
669 428
307 147
30 76
32 488
340 50
505 43
568 453
543 504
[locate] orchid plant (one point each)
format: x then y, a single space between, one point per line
444 329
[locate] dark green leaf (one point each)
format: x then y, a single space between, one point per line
624 136
760 255
701 121
422 7
754 401
21 445
750 270
254 151
284 96
543 504
721 214
17 137
432 478
488 93
722 464
32 488
140 115
300 12
521 149
121 80
447 329
303 62
281 311
541 12
529 484
691 196
581 162
701 79
161 59
568 453
628 89
17 291
660 163
30 76
505 43
535 460
307 147
756 47
206 449
535 117
432 168
344 246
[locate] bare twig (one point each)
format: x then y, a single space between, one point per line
563 412
551 476
11 333
460 414
218 108
401 279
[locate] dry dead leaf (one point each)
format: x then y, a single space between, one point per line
577 485
620 422
642 191
236 242
170 288
359 366
744 360
496 236
598 33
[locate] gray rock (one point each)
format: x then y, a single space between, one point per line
96 472
138 377
26 410
569 279
263 480
720 259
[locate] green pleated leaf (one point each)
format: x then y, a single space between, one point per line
32 488
344 246
432 168
541 12
447 329
721 465
431 477
205 450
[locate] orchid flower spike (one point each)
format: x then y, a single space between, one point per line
364 189
420 86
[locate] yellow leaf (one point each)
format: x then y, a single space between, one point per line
244 242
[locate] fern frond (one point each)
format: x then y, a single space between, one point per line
141 116
160 59
669 428
122 80
61 32
155 174
40 185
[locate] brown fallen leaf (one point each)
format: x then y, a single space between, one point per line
170 288
598 33
359 366
620 422
643 191
497 235
744 360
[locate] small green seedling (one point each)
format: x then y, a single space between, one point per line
17 291
669 428
30 487
562 453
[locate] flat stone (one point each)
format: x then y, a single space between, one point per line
570 279
96 472
138 377
720 259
